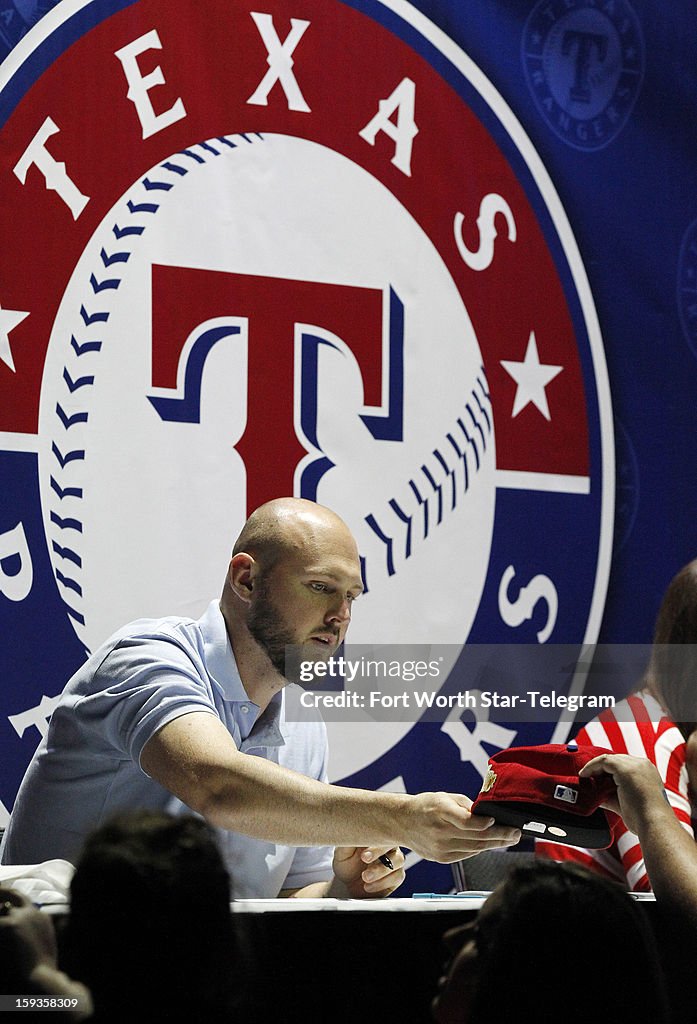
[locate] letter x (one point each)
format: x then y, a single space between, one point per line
280 62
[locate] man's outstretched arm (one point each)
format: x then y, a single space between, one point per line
195 758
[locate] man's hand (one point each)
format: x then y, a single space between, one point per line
669 850
361 873
640 793
442 828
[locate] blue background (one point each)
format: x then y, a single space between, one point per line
631 206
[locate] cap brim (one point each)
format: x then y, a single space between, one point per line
557 826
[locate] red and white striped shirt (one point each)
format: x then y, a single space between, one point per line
636 726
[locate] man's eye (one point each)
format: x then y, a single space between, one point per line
319 588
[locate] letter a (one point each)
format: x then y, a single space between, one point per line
403 132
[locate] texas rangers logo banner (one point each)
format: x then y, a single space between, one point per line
303 247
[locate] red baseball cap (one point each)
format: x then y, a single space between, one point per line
537 789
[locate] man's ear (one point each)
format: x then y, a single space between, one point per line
242 575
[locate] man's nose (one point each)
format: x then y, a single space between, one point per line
340 611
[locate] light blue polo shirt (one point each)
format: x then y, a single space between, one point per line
87 767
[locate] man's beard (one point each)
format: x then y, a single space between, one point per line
265 623
282 647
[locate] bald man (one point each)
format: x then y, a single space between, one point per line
178 715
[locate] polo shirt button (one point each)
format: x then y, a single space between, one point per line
245 708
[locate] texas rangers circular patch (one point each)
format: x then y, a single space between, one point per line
584 64
300 247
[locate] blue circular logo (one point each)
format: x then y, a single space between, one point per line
584 64
286 283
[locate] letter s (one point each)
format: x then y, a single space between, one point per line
490 205
514 613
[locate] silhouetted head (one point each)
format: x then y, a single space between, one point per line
149 921
553 942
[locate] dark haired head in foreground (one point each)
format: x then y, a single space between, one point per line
554 942
149 928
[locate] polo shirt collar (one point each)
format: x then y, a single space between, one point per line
221 666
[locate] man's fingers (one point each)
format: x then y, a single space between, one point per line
461 816
622 767
372 853
480 827
468 821
461 847
384 886
464 853
380 877
595 767
342 853
490 832
502 834
475 844
456 808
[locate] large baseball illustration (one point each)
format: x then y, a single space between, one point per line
110 467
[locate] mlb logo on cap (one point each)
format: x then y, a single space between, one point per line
537 789
566 793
